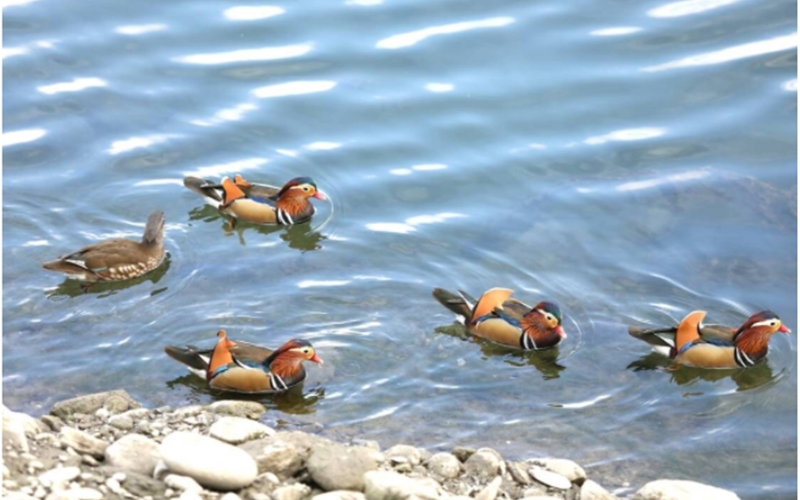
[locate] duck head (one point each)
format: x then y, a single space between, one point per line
301 187
546 317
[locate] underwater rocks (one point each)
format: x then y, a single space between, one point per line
106 446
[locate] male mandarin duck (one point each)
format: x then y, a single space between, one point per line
118 259
714 346
258 203
507 321
247 368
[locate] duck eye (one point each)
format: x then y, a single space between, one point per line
772 324
548 317
305 188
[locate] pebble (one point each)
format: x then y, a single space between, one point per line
122 422
444 465
291 492
550 478
113 401
82 442
485 463
566 468
76 494
210 462
133 453
402 451
248 409
491 490
182 483
670 489
237 430
389 485
338 467
340 495
58 476
590 490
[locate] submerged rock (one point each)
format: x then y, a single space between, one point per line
672 489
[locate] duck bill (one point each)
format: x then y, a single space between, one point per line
320 196
317 359
784 329
560 331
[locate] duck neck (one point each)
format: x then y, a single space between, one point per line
754 342
290 369
542 336
296 206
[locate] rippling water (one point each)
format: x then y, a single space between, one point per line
631 160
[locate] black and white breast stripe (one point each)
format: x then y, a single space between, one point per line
277 382
742 359
283 217
527 343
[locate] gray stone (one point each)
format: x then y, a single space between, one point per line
237 430
247 409
82 442
122 422
549 478
182 483
411 454
338 467
114 401
210 462
14 437
672 489
485 463
190 495
30 425
76 494
296 491
143 486
566 468
519 472
230 496
276 456
444 465
491 490
389 485
593 491
134 453
53 422
340 495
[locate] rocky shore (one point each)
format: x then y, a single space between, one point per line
106 446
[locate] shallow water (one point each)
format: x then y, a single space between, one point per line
632 161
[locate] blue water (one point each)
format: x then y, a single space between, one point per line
632 161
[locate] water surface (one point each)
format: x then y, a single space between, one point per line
632 161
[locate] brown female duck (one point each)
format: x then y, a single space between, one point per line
258 203
118 259
715 346
247 368
507 321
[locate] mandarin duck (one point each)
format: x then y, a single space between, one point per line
247 368
506 321
118 259
258 203
714 346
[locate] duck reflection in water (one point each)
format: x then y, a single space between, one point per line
298 236
744 378
546 362
74 288
294 401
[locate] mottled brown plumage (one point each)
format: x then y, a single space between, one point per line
116 260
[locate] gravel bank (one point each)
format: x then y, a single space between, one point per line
106 446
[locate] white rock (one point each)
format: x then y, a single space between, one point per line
593 491
31 426
16 495
671 489
60 476
122 422
210 462
190 495
411 454
249 409
340 495
14 436
76 494
485 463
182 483
550 479
566 468
444 465
491 490
133 453
389 485
230 496
237 430
296 491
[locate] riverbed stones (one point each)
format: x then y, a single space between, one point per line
340 495
549 478
246 409
590 490
297 491
237 430
403 453
338 467
182 483
671 489
116 401
134 453
491 490
566 468
82 442
210 462
277 456
444 465
57 478
484 463
389 485
122 422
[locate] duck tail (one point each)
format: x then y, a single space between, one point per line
189 356
656 337
452 301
